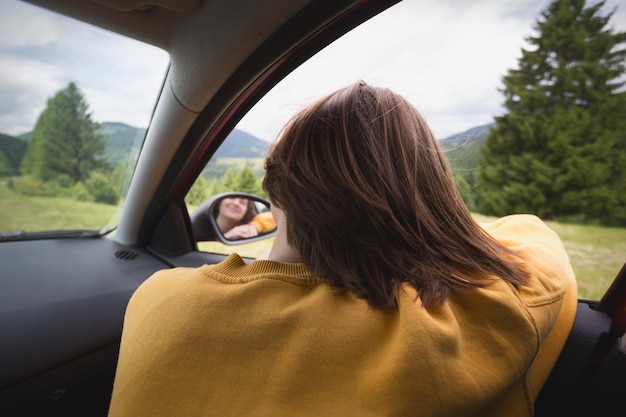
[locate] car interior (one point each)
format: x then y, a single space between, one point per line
64 294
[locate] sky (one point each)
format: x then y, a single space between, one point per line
41 53
445 56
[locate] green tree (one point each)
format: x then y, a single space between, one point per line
216 169
230 180
13 149
102 189
560 149
198 193
65 139
247 181
215 187
5 165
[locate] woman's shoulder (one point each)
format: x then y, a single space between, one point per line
528 236
516 224
543 254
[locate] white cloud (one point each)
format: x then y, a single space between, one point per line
20 28
447 57
25 86
120 78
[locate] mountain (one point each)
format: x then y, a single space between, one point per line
13 150
240 144
477 133
125 139
463 149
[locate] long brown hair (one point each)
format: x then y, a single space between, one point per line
371 203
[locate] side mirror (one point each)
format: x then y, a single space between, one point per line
233 218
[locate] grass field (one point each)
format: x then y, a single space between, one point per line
596 253
33 214
240 162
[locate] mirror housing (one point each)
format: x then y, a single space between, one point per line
255 222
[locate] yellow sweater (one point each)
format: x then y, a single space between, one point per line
266 339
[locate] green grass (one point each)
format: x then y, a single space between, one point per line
597 253
34 214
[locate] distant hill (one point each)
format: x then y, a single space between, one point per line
475 133
240 144
13 150
463 149
124 139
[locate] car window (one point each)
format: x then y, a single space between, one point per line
76 103
449 60
237 166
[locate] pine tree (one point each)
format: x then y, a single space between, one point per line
230 180
5 165
247 181
560 149
65 139
199 192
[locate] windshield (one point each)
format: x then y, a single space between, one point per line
76 103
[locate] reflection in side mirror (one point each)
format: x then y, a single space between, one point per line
233 218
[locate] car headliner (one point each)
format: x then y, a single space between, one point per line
207 40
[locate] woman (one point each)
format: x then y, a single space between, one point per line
233 217
379 296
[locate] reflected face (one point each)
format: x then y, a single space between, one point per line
233 208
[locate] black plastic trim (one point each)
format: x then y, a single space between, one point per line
316 26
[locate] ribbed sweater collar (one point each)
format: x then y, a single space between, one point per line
234 266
